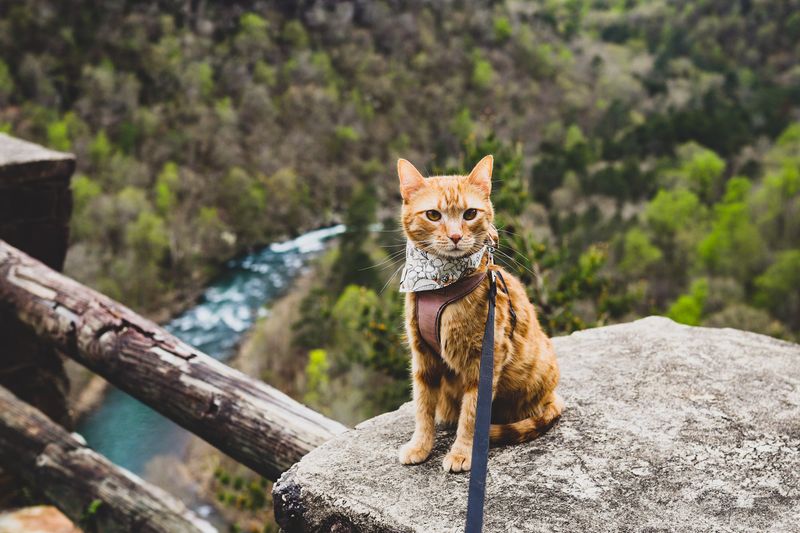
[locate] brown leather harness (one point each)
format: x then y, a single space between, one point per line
431 305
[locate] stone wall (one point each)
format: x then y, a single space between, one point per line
35 206
666 428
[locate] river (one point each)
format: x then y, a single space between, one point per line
131 434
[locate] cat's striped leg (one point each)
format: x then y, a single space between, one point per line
426 372
459 458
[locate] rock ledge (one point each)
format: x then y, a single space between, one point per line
667 427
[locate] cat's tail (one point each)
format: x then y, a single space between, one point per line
529 428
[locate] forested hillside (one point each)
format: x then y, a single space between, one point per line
647 152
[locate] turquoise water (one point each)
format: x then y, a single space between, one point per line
128 432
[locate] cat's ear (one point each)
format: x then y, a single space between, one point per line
481 175
410 179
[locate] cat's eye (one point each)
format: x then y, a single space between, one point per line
469 214
433 215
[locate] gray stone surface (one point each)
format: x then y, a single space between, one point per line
24 161
667 428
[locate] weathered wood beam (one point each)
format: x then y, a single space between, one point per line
86 486
252 422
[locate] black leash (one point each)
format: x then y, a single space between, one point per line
483 415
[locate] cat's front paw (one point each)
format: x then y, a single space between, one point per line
413 453
457 460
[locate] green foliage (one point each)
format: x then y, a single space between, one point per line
204 74
100 149
734 245
6 83
252 24
462 125
502 28
345 135
265 74
366 336
257 495
483 73
213 236
148 236
574 138
688 309
616 124
58 135
165 188
84 190
670 212
639 254
88 519
354 263
509 191
296 34
242 201
558 283
316 376
355 309
701 171
777 288
84 193
775 203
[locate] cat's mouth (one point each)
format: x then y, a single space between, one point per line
454 251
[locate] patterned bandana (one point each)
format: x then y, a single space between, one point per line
426 272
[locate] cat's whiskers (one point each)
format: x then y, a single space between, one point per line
505 257
392 260
388 281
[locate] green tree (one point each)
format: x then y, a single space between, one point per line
676 220
243 202
354 265
6 83
701 171
253 39
165 188
639 253
214 238
502 28
317 380
295 34
148 237
483 73
58 136
778 288
734 245
689 308
509 191
100 150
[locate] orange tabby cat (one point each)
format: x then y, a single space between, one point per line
450 217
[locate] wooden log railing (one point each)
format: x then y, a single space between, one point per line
250 421
87 487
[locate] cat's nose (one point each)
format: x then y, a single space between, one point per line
455 237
